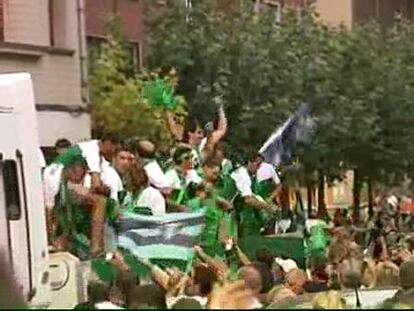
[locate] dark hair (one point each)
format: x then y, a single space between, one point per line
179 152
77 162
112 137
187 303
124 147
137 178
254 155
211 162
205 278
63 143
151 295
266 256
191 125
265 274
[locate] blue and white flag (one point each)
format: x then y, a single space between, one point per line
171 236
279 146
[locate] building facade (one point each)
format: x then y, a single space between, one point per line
351 12
46 39
131 15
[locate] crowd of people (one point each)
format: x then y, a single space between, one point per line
89 184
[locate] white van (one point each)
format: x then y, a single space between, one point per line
46 280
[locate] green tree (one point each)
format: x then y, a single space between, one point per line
358 82
117 97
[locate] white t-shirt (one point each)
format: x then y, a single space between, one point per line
91 153
286 264
175 182
109 177
153 199
193 177
173 179
156 176
267 171
243 181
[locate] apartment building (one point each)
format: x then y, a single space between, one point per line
46 39
131 15
351 12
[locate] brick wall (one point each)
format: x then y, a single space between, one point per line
130 12
383 10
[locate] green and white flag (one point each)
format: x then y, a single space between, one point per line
167 237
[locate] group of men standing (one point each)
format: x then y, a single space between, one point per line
89 184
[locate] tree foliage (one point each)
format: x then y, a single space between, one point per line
117 93
358 82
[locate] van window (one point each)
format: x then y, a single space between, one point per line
11 189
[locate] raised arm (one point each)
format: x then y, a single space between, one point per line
159 275
219 267
215 137
242 256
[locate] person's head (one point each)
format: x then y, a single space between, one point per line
182 157
266 256
388 274
193 132
328 300
211 170
187 303
76 171
255 159
252 277
265 275
109 145
407 275
278 294
203 281
62 145
296 280
337 252
122 161
320 275
145 149
146 296
350 273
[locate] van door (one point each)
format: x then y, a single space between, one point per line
14 229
